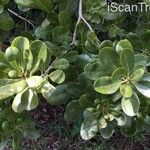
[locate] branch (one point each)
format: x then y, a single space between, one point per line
80 17
49 68
22 18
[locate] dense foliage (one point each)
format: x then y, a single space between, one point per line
75 53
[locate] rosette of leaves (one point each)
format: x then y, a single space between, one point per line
15 127
99 115
22 66
120 73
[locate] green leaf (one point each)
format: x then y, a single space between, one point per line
71 56
28 59
21 43
61 64
107 132
11 89
143 87
119 74
58 95
19 104
104 85
137 75
109 58
6 22
73 111
4 2
13 57
74 89
34 81
57 76
44 5
130 105
94 71
27 99
106 43
122 45
102 123
113 31
85 101
131 127
126 90
39 51
46 89
121 119
146 40
89 128
128 60
3 142
61 34
65 19
134 40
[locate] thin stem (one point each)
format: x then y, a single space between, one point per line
49 68
80 17
22 18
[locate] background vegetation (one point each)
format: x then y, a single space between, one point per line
74 76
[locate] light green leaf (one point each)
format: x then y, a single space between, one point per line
34 81
13 57
11 89
127 60
57 76
122 45
28 59
39 50
104 85
119 74
21 43
28 100
137 75
130 105
126 90
102 123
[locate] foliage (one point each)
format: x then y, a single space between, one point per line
99 70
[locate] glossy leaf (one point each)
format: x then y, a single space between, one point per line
122 45
73 111
144 88
126 90
57 76
137 75
89 128
127 60
104 85
61 64
131 105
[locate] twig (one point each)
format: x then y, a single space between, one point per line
22 18
49 68
80 17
